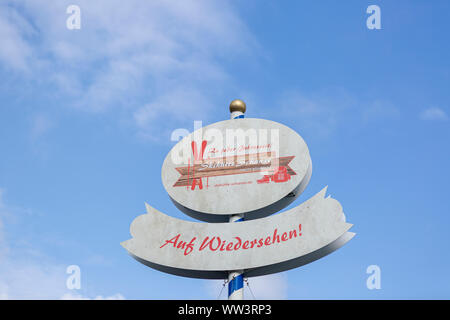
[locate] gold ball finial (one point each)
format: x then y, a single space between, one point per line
237 105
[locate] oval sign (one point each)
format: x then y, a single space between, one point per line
252 167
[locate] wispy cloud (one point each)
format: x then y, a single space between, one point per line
71 296
3 212
27 273
378 110
21 275
433 114
141 57
317 113
324 112
270 287
15 51
40 125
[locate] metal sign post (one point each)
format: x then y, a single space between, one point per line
236 278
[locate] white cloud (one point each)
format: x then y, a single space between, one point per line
15 50
433 113
24 278
71 296
27 273
273 286
141 57
378 109
324 112
320 113
27 278
40 125
270 287
3 213
216 289
171 107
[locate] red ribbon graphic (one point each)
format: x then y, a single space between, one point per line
248 163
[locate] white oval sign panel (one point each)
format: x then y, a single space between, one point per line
253 167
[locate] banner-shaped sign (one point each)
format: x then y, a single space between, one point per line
263 246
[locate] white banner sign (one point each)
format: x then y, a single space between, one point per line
263 246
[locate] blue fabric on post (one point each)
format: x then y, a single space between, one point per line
236 284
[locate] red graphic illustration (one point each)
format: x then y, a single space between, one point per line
265 179
197 181
191 175
281 175
198 158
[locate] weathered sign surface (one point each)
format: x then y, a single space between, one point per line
263 246
253 167
248 168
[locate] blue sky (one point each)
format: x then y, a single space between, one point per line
86 117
